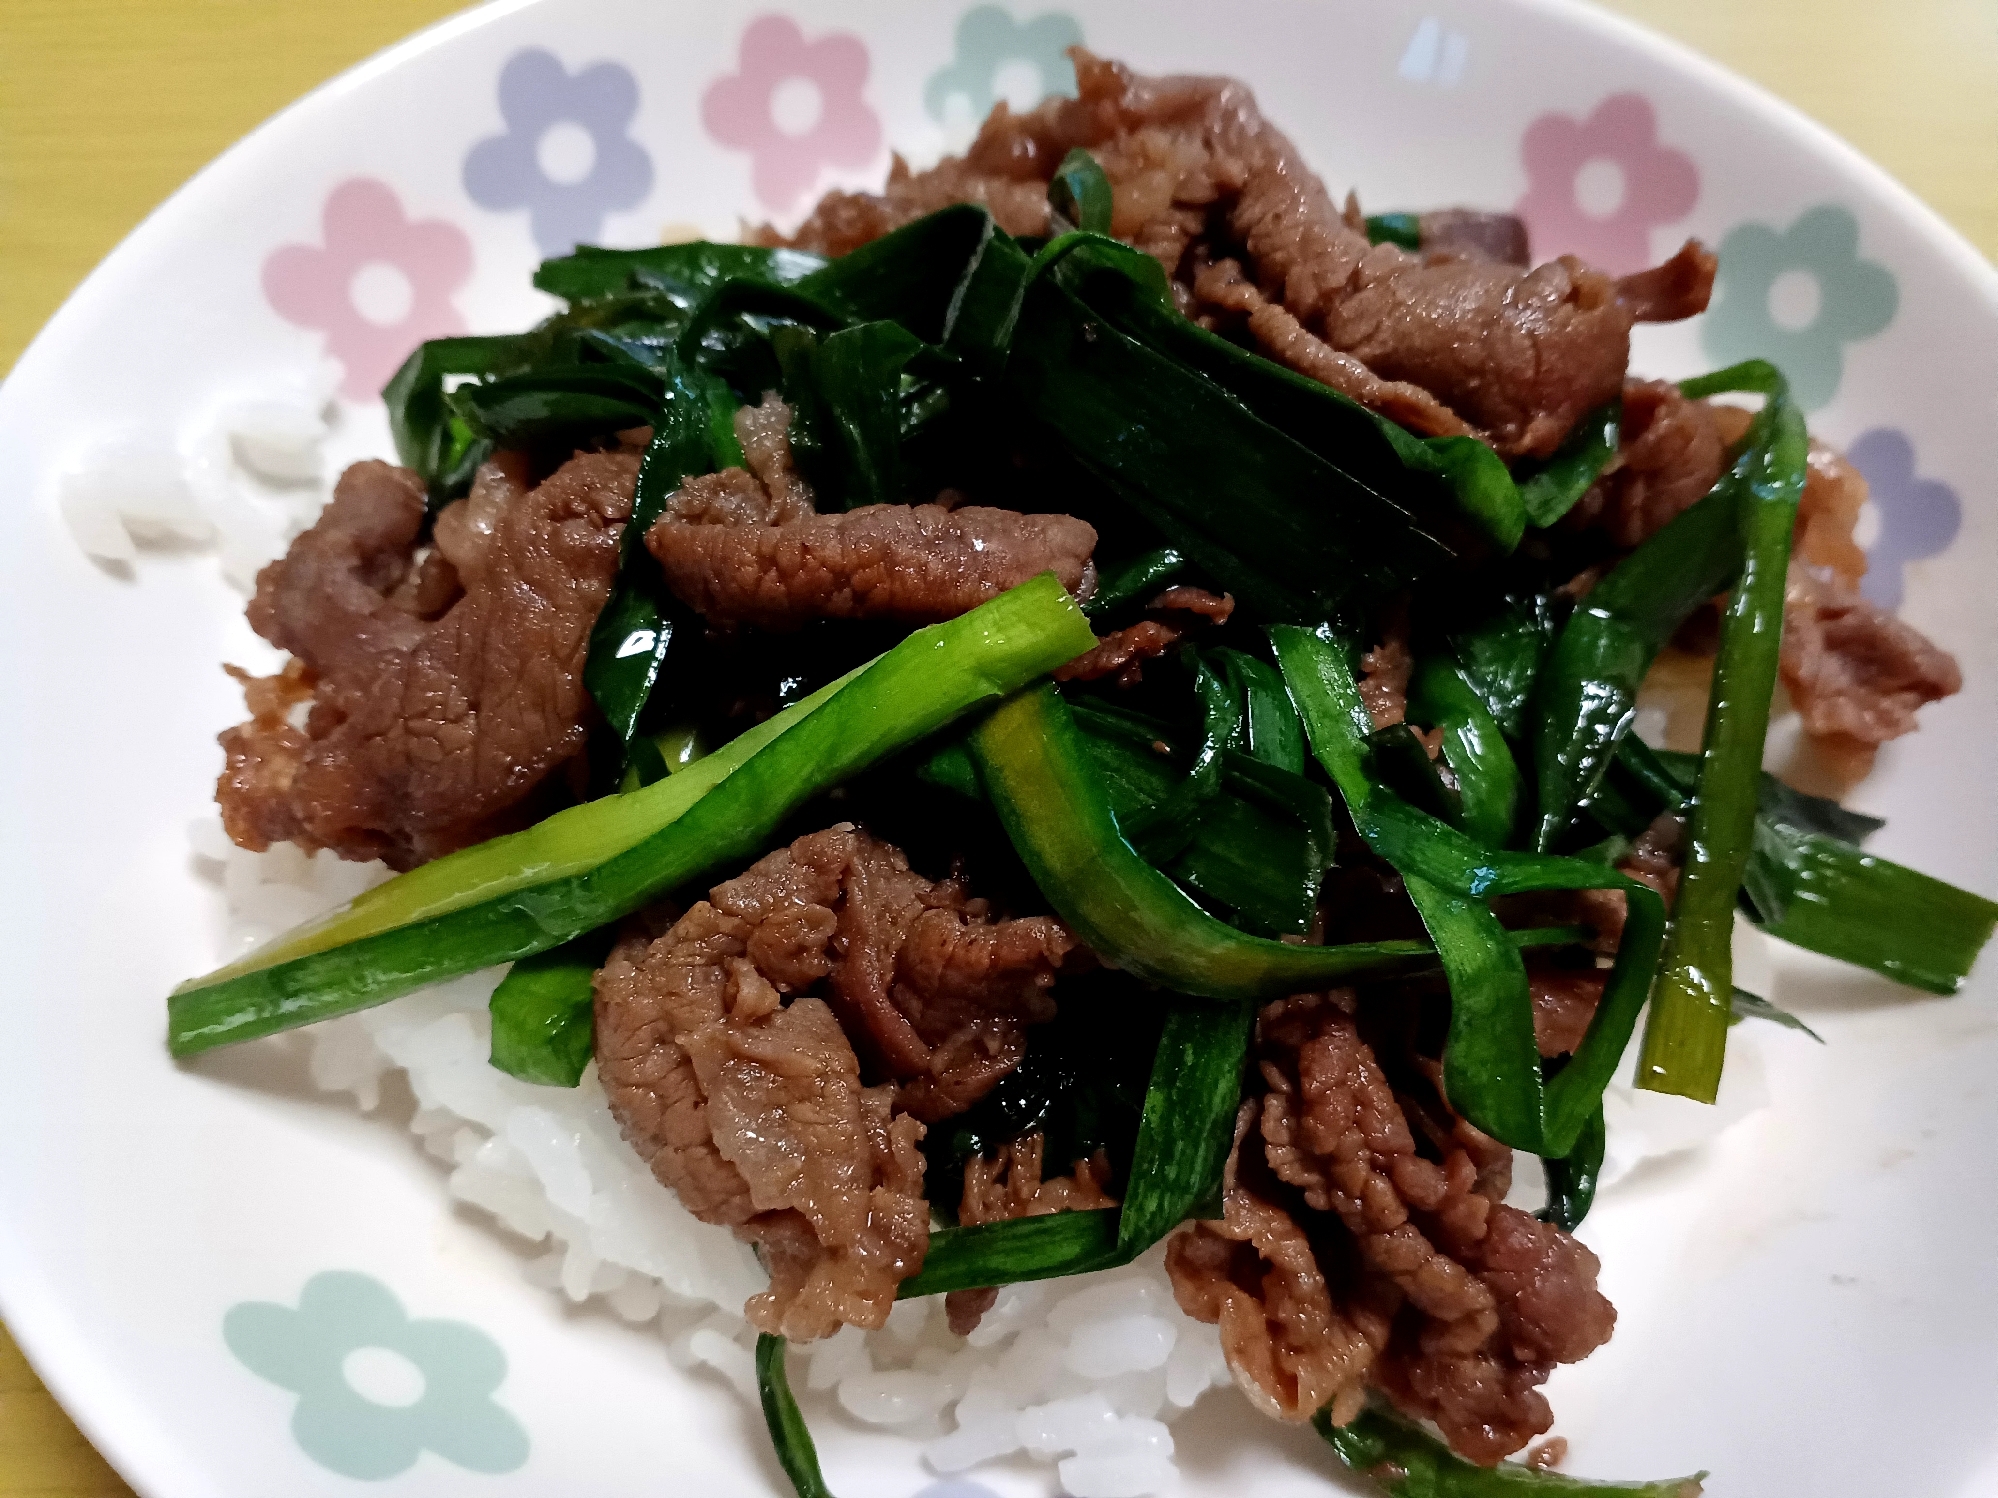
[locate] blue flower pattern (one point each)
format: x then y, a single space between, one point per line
506 172
1855 299
987 39
1918 517
340 1313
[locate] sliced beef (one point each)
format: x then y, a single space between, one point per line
748 548
445 690
1384 674
1499 237
743 1091
1293 1345
1827 513
1350 1252
1671 452
752 1109
1008 1184
1853 670
1565 997
262 756
1122 653
936 993
1444 342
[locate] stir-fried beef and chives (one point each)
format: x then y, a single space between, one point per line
1087 696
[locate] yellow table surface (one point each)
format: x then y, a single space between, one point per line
106 106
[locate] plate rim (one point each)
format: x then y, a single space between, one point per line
119 1426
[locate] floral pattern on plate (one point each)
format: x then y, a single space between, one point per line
566 155
993 54
1798 296
376 1388
1915 517
1597 186
378 285
797 107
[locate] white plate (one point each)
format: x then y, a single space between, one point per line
1807 1306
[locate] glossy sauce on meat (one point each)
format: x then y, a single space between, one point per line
445 691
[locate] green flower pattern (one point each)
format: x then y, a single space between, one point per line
987 39
1855 299
308 1351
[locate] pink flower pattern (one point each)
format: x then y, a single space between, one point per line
1660 184
364 226
740 111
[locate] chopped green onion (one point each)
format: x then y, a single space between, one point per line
1746 1005
1551 489
857 375
1491 1065
793 1442
1052 805
1571 1178
1297 532
1488 783
1407 1462
1685 1040
1079 197
1808 883
628 643
1270 731
1136 581
1189 1120
544 1029
1829 897
1501 656
684 272
1053 1246
1404 229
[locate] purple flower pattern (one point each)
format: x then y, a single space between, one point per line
1917 517
566 155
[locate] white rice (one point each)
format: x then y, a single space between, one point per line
1086 1374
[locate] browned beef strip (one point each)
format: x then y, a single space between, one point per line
262 756
752 1108
1123 652
1007 1186
749 549
1565 997
1834 494
1500 237
1443 343
1292 1346
430 730
1384 673
1853 670
1670 454
937 994
1347 1254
